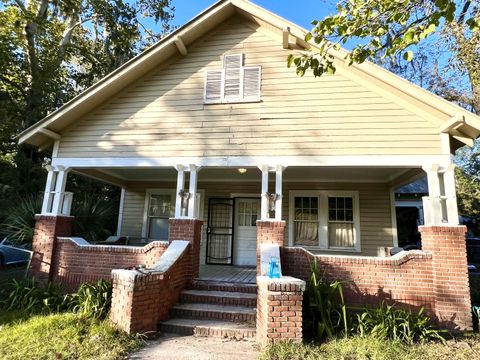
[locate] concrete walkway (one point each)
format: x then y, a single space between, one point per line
178 347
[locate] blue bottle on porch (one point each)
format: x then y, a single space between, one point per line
274 268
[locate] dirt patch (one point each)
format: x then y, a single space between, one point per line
177 347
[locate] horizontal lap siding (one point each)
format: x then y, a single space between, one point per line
374 198
164 111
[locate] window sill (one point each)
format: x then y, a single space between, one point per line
318 248
225 102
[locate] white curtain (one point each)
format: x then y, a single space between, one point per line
306 233
341 235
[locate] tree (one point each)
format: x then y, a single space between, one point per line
50 51
445 36
391 28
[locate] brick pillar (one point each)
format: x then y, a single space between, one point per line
269 232
279 309
191 231
47 228
450 274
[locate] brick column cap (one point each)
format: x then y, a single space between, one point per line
285 283
272 222
52 217
459 229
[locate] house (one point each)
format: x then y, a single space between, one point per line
220 148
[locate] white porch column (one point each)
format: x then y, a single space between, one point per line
451 194
278 191
61 182
180 186
120 212
440 207
49 189
431 203
264 214
193 199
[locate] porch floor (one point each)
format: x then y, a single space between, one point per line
225 273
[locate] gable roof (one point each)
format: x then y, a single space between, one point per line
465 127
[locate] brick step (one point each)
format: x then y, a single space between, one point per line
224 286
219 297
218 312
211 328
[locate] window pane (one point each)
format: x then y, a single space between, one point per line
348 203
341 235
298 202
306 233
160 205
349 215
332 215
332 204
314 203
340 203
158 229
341 215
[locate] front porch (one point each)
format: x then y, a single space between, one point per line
343 217
227 274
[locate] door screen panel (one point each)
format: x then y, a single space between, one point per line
220 231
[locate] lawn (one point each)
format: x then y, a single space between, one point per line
61 336
368 348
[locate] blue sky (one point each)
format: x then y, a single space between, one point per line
301 12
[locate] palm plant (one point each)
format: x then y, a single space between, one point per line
20 221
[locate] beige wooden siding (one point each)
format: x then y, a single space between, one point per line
164 111
374 198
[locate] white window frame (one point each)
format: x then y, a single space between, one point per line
156 191
323 218
241 98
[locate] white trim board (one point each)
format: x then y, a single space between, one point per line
246 161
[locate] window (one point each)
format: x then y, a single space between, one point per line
247 213
160 207
325 219
233 83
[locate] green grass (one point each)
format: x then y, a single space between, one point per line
61 336
367 348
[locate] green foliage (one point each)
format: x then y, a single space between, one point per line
20 222
95 215
389 322
29 296
325 313
93 300
64 336
369 348
387 28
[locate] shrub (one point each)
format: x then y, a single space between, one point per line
30 296
91 300
388 322
94 300
325 313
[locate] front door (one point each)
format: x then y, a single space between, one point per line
247 212
220 231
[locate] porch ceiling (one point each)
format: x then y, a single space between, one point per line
291 174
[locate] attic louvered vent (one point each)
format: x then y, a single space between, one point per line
233 83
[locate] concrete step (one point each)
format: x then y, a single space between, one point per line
224 286
219 297
212 311
213 328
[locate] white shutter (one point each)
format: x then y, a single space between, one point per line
213 86
233 67
251 83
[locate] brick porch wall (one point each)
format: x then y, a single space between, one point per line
191 231
436 279
279 310
47 228
269 232
450 273
141 300
74 265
